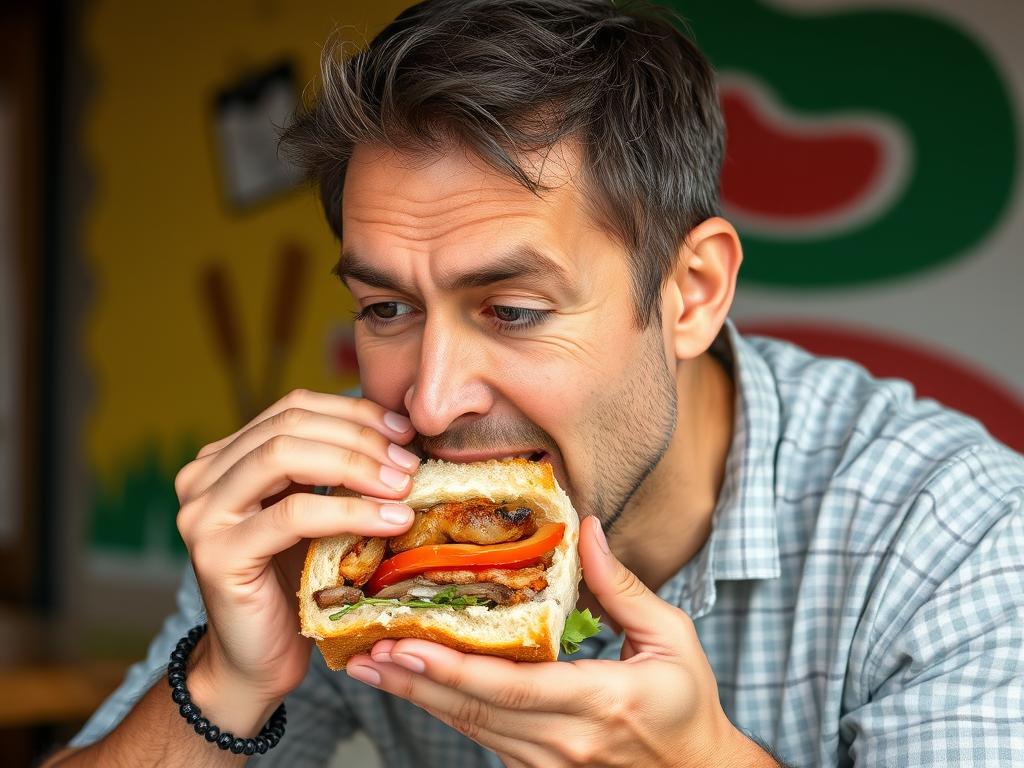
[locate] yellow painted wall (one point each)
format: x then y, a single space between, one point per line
158 214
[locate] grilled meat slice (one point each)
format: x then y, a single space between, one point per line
362 560
513 578
474 521
332 596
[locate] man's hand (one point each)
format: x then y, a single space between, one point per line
245 518
657 706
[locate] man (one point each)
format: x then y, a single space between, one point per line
527 196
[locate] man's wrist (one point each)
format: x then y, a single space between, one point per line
226 701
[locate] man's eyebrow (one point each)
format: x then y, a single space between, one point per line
351 267
521 262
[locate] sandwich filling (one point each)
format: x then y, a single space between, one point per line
455 554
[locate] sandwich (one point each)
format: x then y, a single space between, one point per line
489 566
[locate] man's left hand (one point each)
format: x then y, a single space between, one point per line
658 705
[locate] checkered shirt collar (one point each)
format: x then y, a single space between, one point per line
744 537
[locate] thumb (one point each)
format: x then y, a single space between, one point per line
650 623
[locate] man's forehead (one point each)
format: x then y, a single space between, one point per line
454 202
422 176
464 224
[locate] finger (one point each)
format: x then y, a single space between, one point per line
283 459
650 623
309 425
356 409
513 750
308 516
494 727
546 686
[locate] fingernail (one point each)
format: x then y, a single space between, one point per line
599 537
412 663
396 421
366 675
393 478
397 514
402 457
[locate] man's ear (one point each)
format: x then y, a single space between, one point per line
697 297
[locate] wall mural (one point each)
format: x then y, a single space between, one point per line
871 151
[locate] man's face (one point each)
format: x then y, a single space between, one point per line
502 322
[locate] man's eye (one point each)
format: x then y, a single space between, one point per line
509 314
518 317
383 311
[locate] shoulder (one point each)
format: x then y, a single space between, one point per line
848 429
926 506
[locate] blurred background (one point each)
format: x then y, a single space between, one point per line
163 276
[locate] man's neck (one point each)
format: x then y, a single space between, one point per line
668 519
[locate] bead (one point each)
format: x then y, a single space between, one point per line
212 733
180 696
187 708
175 678
226 740
261 745
202 725
196 632
178 655
193 718
272 739
175 666
250 747
237 746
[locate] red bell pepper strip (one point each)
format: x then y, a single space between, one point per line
513 554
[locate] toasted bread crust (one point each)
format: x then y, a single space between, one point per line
339 649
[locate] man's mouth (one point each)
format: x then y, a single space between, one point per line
464 457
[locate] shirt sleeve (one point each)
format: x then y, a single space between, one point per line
945 678
143 674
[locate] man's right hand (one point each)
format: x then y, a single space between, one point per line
246 535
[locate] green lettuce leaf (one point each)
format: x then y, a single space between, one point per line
446 598
579 625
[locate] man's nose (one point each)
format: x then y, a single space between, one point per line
452 380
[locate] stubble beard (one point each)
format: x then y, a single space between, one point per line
632 427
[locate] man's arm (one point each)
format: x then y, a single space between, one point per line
154 734
142 705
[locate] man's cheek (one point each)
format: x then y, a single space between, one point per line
386 375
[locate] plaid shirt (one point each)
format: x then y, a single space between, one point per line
860 598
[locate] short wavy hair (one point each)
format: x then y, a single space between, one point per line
510 77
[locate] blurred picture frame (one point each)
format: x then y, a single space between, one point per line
248 116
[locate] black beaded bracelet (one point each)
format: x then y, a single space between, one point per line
269 735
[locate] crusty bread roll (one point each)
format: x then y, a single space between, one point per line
524 632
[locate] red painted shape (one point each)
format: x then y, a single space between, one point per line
933 373
772 170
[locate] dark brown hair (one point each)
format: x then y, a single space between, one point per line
509 77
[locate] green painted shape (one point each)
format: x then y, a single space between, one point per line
913 68
135 513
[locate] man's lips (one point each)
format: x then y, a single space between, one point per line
464 457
